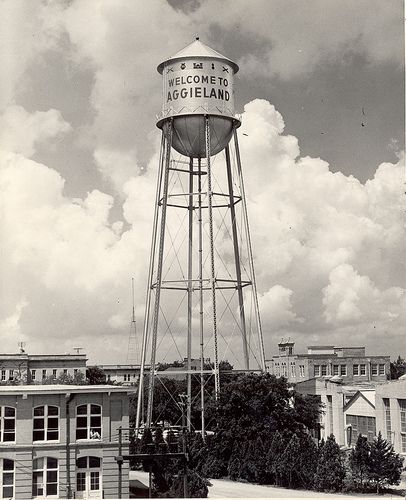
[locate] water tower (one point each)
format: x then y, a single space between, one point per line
201 305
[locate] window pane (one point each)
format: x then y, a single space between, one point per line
94 462
9 424
38 463
8 464
53 410
95 409
39 411
9 436
8 492
39 423
94 480
81 422
52 423
8 478
52 435
81 410
38 435
95 421
9 412
80 481
81 463
52 463
52 476
52 488
81 433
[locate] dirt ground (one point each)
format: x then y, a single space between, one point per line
222 488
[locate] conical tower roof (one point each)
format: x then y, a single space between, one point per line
197 49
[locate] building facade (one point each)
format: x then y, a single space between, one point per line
348 409
60 441
391 413
34 368
349 363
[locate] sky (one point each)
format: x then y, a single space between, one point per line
321 94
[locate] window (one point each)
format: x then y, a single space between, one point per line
45 477
293 370
335 369
343 370
46 423
283 369
402 407
88 421
6 478
87 475
317 370
54 373
44 374
388 423
381 369
75 371
374 369
330 414
3 375
361 425
323 370
11 374
65 371
32 374
7 424
355 369
301 370
363 369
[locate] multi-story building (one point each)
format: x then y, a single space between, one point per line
347 408
390 403
121 374
34 368
60 441
349 363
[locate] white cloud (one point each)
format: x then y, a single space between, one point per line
21 132
329 251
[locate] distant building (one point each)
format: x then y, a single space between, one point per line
61 441
348 409
349 363
34 368
391 412
121 374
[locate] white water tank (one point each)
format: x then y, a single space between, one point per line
198 82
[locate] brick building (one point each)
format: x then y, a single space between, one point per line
33 368
349 363
61 441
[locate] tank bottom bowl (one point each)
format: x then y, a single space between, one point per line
188 133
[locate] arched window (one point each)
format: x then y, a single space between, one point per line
88 421
88 477
6 478
46 423
7 424
45 477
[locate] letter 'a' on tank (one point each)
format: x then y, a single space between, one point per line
198 82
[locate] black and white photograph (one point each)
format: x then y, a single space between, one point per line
202 249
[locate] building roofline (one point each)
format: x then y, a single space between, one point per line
18 390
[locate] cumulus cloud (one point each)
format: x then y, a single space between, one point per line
329 251
21 132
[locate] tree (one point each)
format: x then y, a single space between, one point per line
95 375
273 457
359 461
397 368
330 472
385 466
290 460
